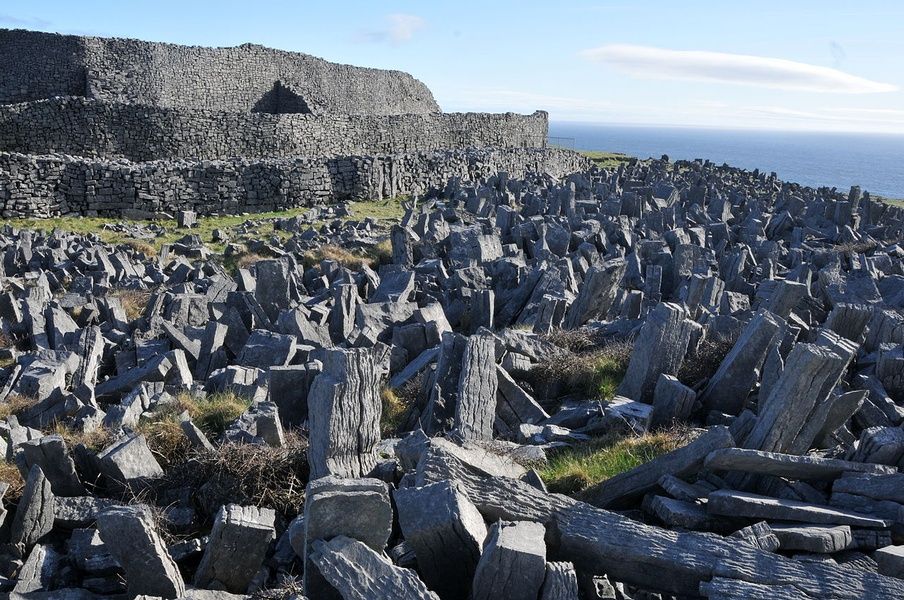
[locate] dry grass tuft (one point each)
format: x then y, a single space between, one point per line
134 302
9 473
146 248
857 247
94 441
343 256
247 474
575 340
382 252
704 361
15 405
394 412
572 470
246 259
595 374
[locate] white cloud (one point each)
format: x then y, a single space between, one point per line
399 28
661 63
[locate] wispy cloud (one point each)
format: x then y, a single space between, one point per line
23 21
761 71
398 29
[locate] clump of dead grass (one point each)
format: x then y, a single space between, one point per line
702 363
15 405
94 440
595 374
247 474
146 248
343 256
134 302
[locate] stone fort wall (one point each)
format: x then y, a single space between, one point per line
97 128
49 186
246 78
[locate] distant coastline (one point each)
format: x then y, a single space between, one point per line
872 161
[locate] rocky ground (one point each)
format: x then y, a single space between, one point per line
707 360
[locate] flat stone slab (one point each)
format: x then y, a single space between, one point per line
742 504
813 538
878 487
786 465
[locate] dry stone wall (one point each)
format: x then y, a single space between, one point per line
101 129
48 186
246 78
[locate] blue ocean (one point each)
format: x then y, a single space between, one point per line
875 162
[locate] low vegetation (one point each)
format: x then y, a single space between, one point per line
590 370
572 470
15 405
608 160
345 257
133 302
10 475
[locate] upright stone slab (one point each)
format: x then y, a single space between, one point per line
344 411
355 508
359 573
131 537
660 348
34 515
513 563
447 534
238 544
784 412
672 402
727 390
560 583
477 386
596 294
272 291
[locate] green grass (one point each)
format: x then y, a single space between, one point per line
380 210
394 412
572 470
607 160
893 201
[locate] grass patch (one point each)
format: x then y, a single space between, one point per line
390 209
572 470
95 440
893 201
9 473
211 414
395 410
247 474
134 302
594 374
608 160
343 256
15 405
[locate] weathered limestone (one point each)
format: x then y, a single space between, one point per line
238 543
354 508
811 538
359 573
439 516
130 536
660 348
513 563
34 516
129 461
672 402
727 390
561 582
786 465
344 414
477 386
597 293
50 453
742 504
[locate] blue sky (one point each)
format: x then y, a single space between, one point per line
795 64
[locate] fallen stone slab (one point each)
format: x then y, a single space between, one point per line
447 534
753 506
129 461
787 465
640 480
885 486
759 535
513 563
596 295
39 572
238 543
50 453
891 561
71 512
359 573
682 514
672 402
131 537
812 538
